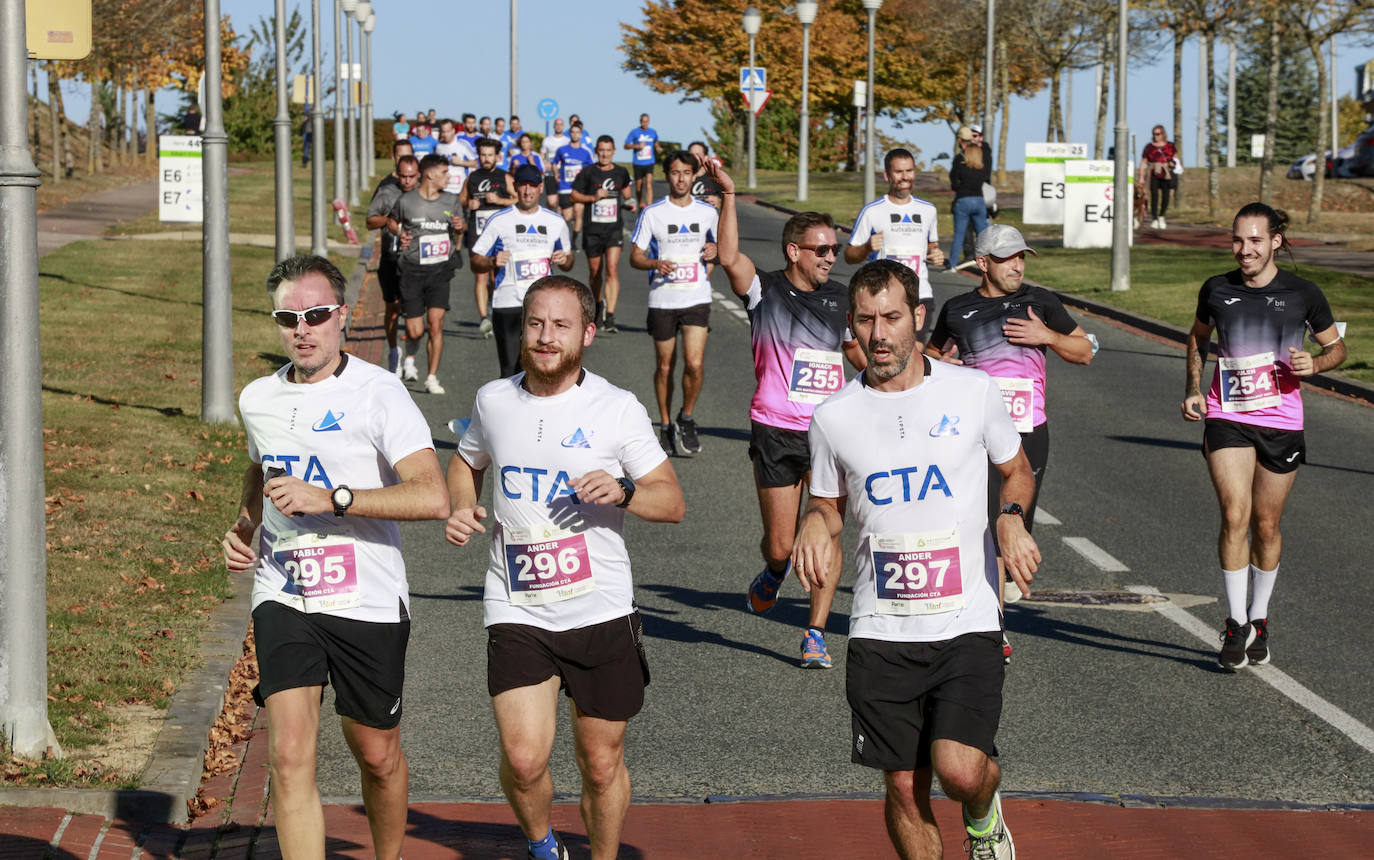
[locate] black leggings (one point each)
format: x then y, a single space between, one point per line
1159 195
505 324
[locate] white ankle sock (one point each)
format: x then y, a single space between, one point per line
1235 581
1261 586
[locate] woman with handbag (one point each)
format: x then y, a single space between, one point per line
1157 165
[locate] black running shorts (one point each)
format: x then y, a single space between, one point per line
642 170
602 667
389 279
550 186
1279 451
904 696
1036 444
505 326
364 660
424 287
565 200
781 457
596 241
663 323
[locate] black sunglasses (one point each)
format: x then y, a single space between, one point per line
312 316
821 250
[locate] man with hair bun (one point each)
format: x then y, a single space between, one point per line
1253 436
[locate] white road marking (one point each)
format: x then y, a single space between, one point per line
1338 719
1045 518
1099 557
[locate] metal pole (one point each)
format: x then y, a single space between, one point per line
23 541
803 150
319 209
988 61
514 59
371 120
869 151
1121 188
1231 103
217 346
340 181
365 149
352 142
286 227
1200 154
753 126
1335 111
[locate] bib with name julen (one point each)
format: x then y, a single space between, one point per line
1249 382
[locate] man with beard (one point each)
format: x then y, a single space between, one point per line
799 332
330 599
601 190
904 448
488 190
405 177
521 244
673 240
900 227
570 454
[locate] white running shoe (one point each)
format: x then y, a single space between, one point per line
995 844
484 327
1162 223
409 372
432 385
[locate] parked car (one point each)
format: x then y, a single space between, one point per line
1306 167
1360 162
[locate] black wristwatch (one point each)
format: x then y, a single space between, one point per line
629 487
1013 508
342 497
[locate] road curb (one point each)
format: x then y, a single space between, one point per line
1328 382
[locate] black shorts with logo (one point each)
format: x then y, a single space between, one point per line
364 660
781 457
904 696
663 323
642 170
425 287
602 667
1279 451
595 240
565 200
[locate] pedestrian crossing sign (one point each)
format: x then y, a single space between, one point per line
753 79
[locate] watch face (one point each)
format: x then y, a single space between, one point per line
343 496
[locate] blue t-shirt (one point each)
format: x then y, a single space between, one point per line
508 142
644 140
423 145
568 162
518 159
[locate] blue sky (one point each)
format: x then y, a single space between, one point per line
457 61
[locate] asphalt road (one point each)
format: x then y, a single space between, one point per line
1106 699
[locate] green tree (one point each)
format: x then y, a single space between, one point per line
249 112
1297 93
778 130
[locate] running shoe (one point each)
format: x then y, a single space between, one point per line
1011 592
996 844
1006 650
665 438
763 591
410 373
560 852
1235 639
484 327
814 655
686 435
609 327
432 385
1258 650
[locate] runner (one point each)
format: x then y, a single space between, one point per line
461 156
672 239
487 191
644 141
1253 440
510 142
567 163
704 187
547 150
1003 327
483 129
422 140
521 244
403 178
507 139
574 626
525 154
469 131
900 227
349 626
600 191
428 221
400 129
799 331
903 446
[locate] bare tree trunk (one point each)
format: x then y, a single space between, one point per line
92 132
68 163
1271 110
852 141
1004 99
126 127
1054 127
150 121
1213 174
1314 209
739 149
116 123
1104 67
1177 135
55 132
969 72
37 140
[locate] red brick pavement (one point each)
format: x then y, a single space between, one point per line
366 333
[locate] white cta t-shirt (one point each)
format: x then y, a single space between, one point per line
908 229
531 238
556 563
350 429
666 231
913 465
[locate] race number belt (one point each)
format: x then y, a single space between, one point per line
1249 382
528 270
434 249
684 275
1018 395
321 571
546 564
917 574
605 211
816 374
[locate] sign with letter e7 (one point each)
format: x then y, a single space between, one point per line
180 189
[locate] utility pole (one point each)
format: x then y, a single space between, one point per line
217 340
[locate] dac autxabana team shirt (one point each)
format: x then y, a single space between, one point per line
666 231
532 238
908 229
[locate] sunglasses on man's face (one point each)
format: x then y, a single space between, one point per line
822 250
312 316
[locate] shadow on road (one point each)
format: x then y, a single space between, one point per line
1157 442
1025 620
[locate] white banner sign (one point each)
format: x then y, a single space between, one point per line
179 185
1043 194
1088 205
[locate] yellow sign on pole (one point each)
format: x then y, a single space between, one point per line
58 29
303 89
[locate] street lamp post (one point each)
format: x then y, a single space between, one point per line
872 7
514 54
361 14
806 13
370 124
987 74
752 21
351 106
217 322
340 182
319 215
1121 188
286 228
